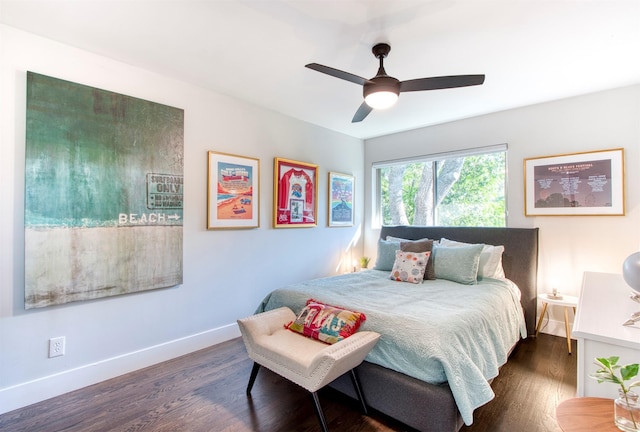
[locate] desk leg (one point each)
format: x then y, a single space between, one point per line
566 328
544 310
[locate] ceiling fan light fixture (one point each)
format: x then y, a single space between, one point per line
381 99
382 91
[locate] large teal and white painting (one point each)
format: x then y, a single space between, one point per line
103 193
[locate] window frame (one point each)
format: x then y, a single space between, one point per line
376 210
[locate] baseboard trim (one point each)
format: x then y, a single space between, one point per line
30 392
555 328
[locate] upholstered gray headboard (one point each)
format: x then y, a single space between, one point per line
520 257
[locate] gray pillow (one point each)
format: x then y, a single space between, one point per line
457 264
386 254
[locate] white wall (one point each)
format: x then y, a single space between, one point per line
226 273
568 245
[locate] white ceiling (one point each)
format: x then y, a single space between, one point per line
530 51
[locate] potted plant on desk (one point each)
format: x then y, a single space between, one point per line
626 406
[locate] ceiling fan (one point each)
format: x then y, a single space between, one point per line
382 90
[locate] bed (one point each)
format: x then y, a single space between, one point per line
430 370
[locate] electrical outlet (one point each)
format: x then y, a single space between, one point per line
56 346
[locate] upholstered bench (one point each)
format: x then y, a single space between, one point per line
307 362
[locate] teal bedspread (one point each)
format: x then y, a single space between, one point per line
438 331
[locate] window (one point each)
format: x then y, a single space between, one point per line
455 189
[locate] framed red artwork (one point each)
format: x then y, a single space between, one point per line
295 194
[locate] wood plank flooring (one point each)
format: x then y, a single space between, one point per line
205 392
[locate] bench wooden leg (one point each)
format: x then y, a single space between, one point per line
252 378
356 385
323 422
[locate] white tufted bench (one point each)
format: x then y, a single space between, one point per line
307 362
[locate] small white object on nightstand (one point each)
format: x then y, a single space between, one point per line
558 300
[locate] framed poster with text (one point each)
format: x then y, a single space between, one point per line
295 194
587 184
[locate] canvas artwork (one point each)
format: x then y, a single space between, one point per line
104 189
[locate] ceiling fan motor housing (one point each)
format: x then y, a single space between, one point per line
380 84
381 92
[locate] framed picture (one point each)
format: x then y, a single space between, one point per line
233 198
340 199
589 183
295 194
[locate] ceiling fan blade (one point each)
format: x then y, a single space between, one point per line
337 73
362 113
443 82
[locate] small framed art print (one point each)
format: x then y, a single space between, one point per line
233 198
341 188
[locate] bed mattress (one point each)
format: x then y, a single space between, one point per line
437 331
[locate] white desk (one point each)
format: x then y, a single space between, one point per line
603 306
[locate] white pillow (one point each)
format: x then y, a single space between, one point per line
391 238
490 258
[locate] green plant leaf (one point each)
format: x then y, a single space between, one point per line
606 362
629 371
607 373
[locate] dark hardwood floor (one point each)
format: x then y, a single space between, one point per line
205 391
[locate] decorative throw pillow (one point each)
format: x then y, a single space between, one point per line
457 264
329 324
386 254
490 259
409 266
424 245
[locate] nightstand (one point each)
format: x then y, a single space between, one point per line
566 301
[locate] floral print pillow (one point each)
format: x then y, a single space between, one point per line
409 266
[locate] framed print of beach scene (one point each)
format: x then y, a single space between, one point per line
233 198
295 197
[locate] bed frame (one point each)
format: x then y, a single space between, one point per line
428 407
